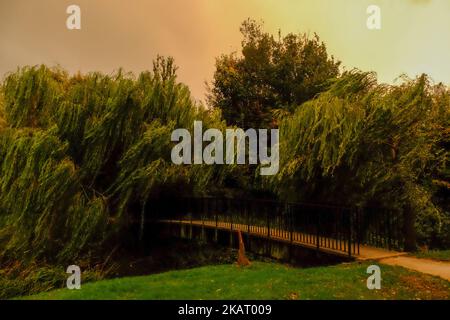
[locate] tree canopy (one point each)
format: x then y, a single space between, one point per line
270 73
79 151
86 153
368 144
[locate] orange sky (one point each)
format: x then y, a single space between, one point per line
115 33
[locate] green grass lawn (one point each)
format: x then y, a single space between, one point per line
441 255
263 281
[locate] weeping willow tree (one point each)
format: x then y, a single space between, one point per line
80 154
77 152
364 143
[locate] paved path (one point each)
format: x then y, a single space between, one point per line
435 268
333 246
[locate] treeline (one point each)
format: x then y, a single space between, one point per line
367 144
344 138
82 155
76 152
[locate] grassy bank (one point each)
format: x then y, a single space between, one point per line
439 255
263 281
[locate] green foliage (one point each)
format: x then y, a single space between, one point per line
18 280
266 281
439 255
364 143
270 75
79 155
76 152
84 149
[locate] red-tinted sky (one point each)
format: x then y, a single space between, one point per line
115 33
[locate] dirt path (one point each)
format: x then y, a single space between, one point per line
435 268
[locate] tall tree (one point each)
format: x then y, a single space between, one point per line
270 73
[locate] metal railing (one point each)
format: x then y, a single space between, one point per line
337 228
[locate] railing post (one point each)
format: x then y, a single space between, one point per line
248 216
388 217
231 214
268 223
191 231
291 223
350 232
358 226
203 211
217 220
317 232
181 216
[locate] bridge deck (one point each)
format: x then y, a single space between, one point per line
324 244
